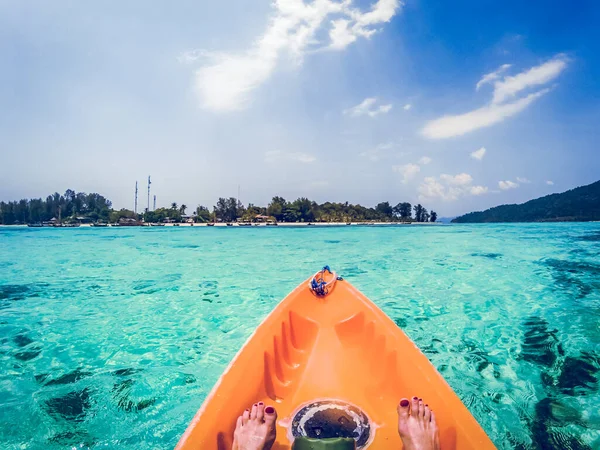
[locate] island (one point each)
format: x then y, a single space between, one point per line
581 204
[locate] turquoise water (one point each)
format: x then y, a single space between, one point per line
111 338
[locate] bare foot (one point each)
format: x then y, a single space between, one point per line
255 429
416 425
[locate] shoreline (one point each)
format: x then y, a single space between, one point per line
252 225
297 224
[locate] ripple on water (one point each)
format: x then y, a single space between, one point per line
15 292
540 344
488 255
71 377
577 277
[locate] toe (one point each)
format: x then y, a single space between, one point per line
246 417
433 423
427 414
239 423
421 408
414 407
260 411
270 415
253 412
403 409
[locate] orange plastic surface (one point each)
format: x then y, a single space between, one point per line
340 346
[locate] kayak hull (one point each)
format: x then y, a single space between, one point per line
340 347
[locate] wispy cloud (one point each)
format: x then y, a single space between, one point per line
450 126
357 24
407 107
536 76
368 107
425 160
523 180
478 154
277 156
507 184
227 80
493 76
550 183
377 153
500 108
408 171
191 56
449 187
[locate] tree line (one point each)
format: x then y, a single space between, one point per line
305 210
56 206
77 206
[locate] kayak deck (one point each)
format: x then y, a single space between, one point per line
340 347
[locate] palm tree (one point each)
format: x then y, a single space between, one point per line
174 206
182 209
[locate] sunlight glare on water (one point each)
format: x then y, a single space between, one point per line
112 338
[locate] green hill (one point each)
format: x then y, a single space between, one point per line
577 205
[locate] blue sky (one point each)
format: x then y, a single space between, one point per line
334 100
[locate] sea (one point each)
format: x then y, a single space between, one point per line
113 337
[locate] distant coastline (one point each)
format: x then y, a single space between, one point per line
75 209
581 204
243 225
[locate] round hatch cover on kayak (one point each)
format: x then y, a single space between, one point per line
322 419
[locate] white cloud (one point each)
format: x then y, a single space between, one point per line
425 160
478 154
226 82
462 179
550 183
488 78
277 155
449 187
502 104
340 34
357 24
408 171
523 180
536 76
478 190
431 188
407 107
450 126
375 154
368 107
507 184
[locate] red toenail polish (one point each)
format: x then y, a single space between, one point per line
269 410
415 398
404 403
260 403
426 404
420 399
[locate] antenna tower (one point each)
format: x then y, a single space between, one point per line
149 183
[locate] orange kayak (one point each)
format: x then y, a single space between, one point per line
339 354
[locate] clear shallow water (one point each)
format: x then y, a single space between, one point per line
111 338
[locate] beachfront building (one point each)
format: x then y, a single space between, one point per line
261 218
